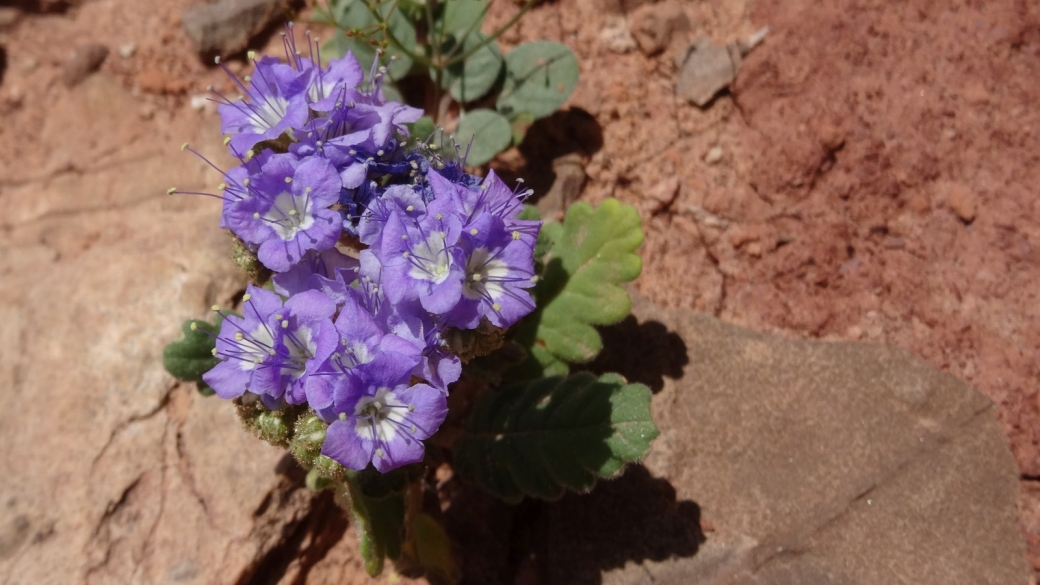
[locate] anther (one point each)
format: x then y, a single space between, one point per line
214 352
227 140
410 208
256 215
404 254
288 179
216 60
238 336
535 278
343 416
308 189
516 234
246 297
194 326
411 408
292 212
476 277
380 453
378 405
379 152
221 186
215 308
171 190
439 216
497 307
285 324
473 232
413 429
251 55
249 155
184 147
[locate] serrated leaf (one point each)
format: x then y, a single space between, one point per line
192 356
585 260
544 437
470 79
489 132
540 76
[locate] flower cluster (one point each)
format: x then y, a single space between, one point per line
376 250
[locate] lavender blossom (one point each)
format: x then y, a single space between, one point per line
379 419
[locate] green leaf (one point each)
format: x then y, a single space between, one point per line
433 549
540 76
584 260
463 16
519 123
544 437
489 132
421 129
192 356
471 79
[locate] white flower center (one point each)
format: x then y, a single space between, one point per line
289 215
484 276
430 259
254 348
380 416
267 112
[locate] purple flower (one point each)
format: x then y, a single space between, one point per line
272 347
286 210
277 102
333 84
308 338
329 271
361 340
377 418
499 266
420 258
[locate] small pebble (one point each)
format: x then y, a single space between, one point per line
199 101
714 155
84 61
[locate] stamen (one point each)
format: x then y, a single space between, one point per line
194 326
343 416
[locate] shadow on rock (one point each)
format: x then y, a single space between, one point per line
566 132
309 525
641 352
573 541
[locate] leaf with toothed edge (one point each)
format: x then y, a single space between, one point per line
581 264
544 437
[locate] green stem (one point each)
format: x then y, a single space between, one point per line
372 550
495 35
422 61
